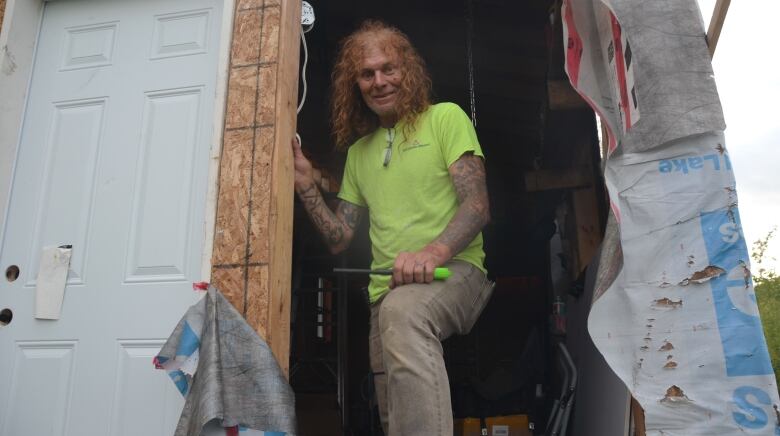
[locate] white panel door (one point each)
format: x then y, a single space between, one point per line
112 160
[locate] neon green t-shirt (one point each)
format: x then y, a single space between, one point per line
412 199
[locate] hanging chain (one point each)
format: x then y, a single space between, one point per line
470 56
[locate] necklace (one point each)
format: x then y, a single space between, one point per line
389 149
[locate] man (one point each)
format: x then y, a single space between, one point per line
418 170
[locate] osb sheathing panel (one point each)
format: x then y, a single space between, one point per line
265 104
257 299
261 189
269 38
249 4
2 13
230 237
246 33
249 266
242 97
230 281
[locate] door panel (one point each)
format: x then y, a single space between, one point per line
65 195
41 382
162 206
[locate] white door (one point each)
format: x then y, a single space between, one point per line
112 160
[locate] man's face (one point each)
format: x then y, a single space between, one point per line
378 79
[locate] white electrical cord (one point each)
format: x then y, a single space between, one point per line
307 18
307 23
305 60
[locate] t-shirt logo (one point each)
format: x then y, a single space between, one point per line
413 145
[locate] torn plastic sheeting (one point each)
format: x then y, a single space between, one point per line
673 91
227 373
644 67
725 370
708 273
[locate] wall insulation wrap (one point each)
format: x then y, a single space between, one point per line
678 322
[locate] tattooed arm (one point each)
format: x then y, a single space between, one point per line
468 177
337 229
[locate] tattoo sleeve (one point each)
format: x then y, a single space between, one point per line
349 214
337 228
468 177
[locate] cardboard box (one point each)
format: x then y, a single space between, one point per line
467 427
513 425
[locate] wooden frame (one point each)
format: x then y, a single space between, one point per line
716 24
282 192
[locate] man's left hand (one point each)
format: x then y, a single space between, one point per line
418 266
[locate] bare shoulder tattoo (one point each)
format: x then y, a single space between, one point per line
350 213
468 176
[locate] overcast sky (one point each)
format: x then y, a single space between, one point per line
746 65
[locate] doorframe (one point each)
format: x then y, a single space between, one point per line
18 41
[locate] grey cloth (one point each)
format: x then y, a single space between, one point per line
674 79
237 380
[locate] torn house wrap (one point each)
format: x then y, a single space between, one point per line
227 373
678 322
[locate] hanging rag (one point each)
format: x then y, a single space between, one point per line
227 373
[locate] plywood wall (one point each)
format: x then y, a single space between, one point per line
2 13
253 234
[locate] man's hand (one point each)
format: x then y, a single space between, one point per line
337 229
418 266
304 177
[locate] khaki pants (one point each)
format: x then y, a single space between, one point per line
407 327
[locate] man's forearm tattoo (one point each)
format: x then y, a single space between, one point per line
468 177
324 218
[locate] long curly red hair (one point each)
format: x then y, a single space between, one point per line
350 116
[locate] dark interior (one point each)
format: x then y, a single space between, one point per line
510 50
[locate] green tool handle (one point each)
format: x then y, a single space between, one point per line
441 273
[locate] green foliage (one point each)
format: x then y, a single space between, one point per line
761 274
768 295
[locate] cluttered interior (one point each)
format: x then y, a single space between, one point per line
502 62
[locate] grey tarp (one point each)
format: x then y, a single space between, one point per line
674 84
237 380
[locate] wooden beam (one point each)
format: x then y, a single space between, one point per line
281 217
716 24
2 13
586 217
543 180
604 140
562 96
638 416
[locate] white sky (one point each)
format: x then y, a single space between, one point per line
747 67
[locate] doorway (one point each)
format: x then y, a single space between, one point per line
501 61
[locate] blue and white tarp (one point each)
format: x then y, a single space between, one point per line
679 323
228 375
